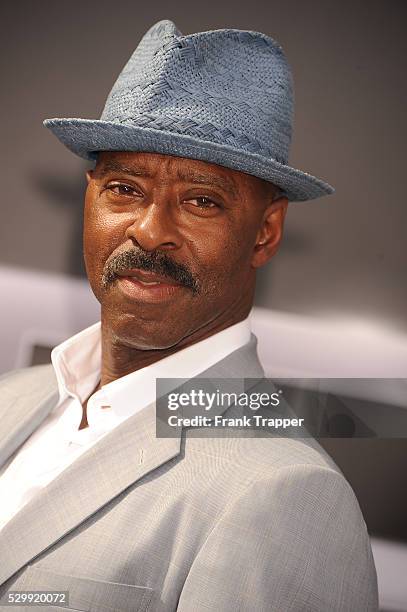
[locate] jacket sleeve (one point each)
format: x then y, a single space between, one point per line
293 542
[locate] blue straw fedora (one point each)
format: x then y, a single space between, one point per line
223 96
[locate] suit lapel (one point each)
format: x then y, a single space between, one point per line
115 462
119 459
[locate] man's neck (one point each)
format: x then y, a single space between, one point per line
119 359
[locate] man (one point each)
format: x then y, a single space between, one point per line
187 199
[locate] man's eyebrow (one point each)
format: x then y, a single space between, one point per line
199 178
113 166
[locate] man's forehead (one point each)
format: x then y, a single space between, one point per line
140 163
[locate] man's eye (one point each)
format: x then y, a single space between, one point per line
203 202
122 189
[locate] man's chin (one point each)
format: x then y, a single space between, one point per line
144 332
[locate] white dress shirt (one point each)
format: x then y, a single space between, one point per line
58 441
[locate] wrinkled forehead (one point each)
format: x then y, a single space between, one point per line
153 165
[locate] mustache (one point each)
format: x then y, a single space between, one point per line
156 262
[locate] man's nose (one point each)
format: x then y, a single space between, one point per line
154 228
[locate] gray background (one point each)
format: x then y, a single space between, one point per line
345 254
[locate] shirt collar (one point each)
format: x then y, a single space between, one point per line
77 365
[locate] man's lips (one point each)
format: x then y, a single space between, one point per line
147 278
147 287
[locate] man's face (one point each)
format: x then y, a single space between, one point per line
171 245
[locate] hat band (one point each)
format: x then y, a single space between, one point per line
208 132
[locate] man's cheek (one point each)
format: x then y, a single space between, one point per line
100 238
91 253
96 253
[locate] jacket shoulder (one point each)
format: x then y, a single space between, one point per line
263 455
41 377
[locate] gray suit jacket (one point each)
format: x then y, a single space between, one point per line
188 524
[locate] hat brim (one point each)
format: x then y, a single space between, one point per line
87 137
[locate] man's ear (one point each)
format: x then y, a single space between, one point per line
89 175
270 233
